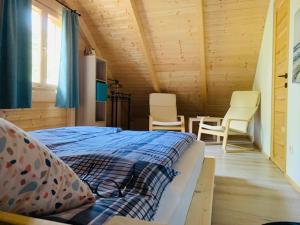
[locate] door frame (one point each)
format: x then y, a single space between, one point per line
273 79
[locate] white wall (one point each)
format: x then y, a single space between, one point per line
293 122
263 83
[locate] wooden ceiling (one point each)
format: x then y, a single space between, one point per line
157 45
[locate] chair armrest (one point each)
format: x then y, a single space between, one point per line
204 119
210 119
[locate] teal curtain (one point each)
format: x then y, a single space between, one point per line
68 85
15 54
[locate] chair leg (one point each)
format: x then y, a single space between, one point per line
218 137
225 138
199 134
182 124
150 123
200 129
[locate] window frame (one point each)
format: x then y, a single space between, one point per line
54 12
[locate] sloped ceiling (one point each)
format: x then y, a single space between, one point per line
233 33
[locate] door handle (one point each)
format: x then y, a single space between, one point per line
284 76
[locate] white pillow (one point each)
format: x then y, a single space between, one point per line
33 180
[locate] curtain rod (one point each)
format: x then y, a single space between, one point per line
64 5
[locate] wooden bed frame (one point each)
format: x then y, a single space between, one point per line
199 213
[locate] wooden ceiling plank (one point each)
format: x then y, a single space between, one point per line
203 75
132 9
85 31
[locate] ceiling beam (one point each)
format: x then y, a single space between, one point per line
203 72
132 9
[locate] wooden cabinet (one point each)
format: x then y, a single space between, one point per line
93 92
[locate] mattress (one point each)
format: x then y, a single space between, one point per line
175 201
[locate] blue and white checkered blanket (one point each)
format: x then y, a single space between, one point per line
129 170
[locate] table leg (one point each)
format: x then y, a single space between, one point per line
218 137
190 125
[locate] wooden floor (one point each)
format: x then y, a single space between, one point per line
250 190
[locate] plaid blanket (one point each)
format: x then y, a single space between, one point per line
140 198
56 137
128 170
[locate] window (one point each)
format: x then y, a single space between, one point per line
53 49
36 45
46 38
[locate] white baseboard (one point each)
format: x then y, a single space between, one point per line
293 183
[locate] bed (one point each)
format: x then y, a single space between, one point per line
173 160
177 196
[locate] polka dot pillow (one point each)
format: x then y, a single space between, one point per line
33 180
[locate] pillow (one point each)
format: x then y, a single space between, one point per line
33 181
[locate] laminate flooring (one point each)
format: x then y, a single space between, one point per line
251 190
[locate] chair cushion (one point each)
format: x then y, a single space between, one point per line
163 107
243 105
159 123
162 99
34 181
245 99
238 113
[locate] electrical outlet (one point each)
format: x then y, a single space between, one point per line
291 149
